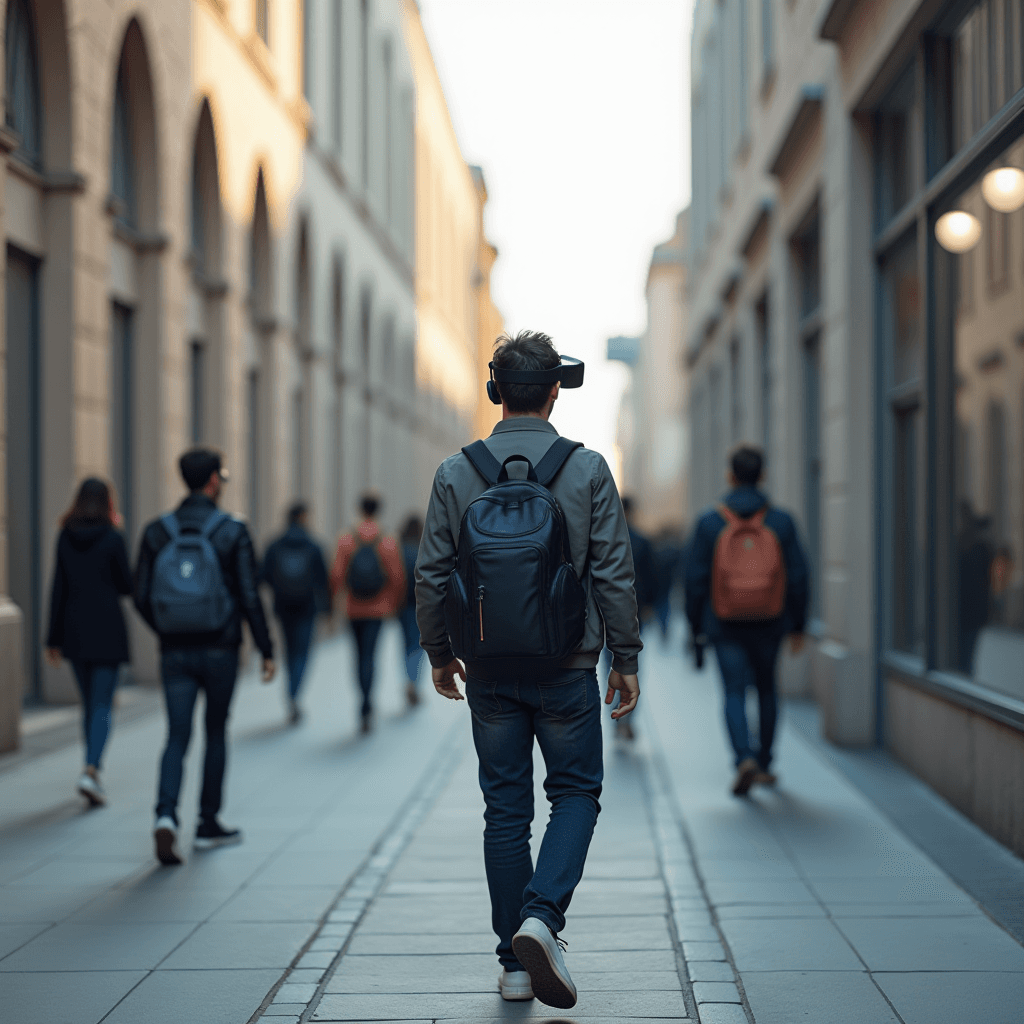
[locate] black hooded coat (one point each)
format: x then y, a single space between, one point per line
90 577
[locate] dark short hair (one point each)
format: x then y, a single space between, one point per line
197 465
528 350
296 512
627 505
369 503
747 462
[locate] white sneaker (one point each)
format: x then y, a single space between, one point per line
538 951
515 985
91 789
165 834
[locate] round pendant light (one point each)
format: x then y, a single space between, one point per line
958 231
1003 189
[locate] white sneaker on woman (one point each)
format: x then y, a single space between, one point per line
538 951
89 786
515 985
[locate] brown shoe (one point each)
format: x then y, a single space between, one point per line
746 773
412 695
765 779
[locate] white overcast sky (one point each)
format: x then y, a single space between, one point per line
578 112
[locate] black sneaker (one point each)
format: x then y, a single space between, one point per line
211 834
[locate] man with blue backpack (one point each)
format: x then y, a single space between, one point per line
194 583
295 569
524 574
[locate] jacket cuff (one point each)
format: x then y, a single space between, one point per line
626 666
440 660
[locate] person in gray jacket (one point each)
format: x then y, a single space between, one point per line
560 708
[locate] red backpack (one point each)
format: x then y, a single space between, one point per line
748 574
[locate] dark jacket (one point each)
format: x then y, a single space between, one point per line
319 600
598 541
238 564
409 555
643 568
90 577
744 501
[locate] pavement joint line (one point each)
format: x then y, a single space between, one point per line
368 880
674 846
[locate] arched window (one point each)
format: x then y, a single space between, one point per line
198 212
24 108
122 156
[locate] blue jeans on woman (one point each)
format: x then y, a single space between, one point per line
563 713
413 651
96 683
743 664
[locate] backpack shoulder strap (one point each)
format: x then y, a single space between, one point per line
483 461
213 523
727 514
170 523
555 458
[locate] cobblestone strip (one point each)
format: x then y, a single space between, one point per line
716 987
296 995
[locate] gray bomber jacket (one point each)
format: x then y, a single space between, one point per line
598 539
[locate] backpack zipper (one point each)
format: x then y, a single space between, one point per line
480 601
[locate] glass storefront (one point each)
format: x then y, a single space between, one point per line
951 319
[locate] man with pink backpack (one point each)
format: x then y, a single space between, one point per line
747 588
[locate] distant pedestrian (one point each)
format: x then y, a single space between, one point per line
90 576
368 567
747 588
667 558
410 536
194 583
509 514
294 568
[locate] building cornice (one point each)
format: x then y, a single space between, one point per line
805 116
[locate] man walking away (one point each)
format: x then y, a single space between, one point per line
368 567
295 569
555 505
746 588
194 582
410 536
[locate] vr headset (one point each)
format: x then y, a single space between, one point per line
569 372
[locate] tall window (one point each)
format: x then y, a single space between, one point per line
364 89
338 345
307 49
261 16
255 482
298 439
736 389
389 129
24 107
197 390
337 71
198 233
767 39
762 325
122 157
365 325
122 409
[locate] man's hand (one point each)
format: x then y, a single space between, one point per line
269 670
444 679
796 643
53 657
629 690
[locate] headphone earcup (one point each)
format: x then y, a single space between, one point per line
492 392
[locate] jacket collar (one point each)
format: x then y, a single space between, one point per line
523 423
745 501
198 500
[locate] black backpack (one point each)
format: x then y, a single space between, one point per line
365 578
514 597
292 574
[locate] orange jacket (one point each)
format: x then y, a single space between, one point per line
392 597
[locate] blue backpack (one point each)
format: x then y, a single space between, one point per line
189 594
513 599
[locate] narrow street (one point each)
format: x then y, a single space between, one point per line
359 892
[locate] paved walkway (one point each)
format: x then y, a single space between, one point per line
359 893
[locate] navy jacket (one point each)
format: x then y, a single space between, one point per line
90 576
238 564
320 590
744 501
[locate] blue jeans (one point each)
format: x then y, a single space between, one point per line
96 683
298 638
564 714
367 633
185 672
747 663
413 651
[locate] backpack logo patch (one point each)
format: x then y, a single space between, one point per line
187 568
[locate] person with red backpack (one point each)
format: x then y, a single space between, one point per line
746 588
368 567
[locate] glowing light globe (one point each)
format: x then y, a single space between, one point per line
1003 189
958 231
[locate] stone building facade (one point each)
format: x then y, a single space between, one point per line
856 293
653 428
209 212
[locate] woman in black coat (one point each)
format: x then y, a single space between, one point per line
86 621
